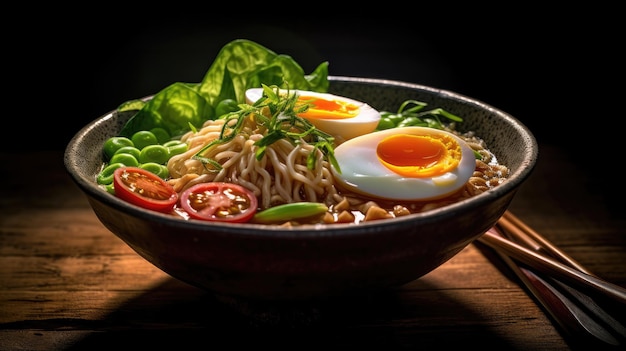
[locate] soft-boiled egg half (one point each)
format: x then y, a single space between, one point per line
339 116
408 163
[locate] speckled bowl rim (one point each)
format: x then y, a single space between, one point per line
529 159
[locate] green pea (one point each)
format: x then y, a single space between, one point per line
126 159
175 147
173 143
396 118
143 138
157 169
385 123
106 175
226 106
161 134
131 150
154 153
432 123
112 144
412 121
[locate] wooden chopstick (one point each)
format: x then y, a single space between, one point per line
517 228
575 311
562 310
554 268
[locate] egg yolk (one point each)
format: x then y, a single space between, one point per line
327 109
419 156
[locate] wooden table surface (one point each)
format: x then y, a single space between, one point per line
67 283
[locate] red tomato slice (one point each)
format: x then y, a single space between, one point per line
144 188
219 201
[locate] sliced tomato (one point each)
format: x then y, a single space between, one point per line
144 188
219 201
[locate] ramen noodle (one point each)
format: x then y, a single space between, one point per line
282 176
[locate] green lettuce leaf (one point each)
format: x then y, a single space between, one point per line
240 65
175 109
243 64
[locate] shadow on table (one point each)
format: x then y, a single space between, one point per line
190 318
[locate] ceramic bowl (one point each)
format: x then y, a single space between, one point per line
270 263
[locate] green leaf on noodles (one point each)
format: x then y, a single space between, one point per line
277 115
269 139
327 149
446 114
209 162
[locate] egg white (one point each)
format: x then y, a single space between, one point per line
363 173
341 129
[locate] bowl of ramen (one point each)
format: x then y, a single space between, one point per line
370 209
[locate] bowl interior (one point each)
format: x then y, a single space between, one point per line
511 142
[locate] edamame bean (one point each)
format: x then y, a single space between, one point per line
113 144
106 175
154 153
161 134
160 170
226 106
131 150
175 147
143 138
126 159
385 123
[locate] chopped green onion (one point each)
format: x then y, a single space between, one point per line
288 212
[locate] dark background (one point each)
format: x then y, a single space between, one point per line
555 71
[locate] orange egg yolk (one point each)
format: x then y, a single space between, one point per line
419 156
327 109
